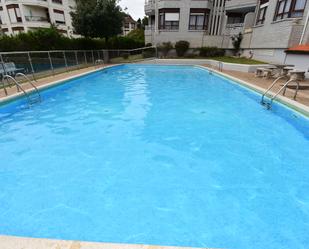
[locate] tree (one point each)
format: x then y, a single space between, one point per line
97 18
145 22
139 24
137 35
236 41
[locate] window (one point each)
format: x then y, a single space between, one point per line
169 19
14 13
198 19
289 9
59 16
262 12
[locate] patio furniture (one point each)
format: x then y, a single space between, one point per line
286 71
297 75
9 68
264 72
279 69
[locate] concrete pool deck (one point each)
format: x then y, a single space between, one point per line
10 242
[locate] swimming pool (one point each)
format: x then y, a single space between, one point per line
165 155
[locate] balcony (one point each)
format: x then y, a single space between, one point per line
240 5
36 19
234 28
149 7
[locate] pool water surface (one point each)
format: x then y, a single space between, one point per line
164 155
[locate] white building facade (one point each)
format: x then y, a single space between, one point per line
25 15
269 27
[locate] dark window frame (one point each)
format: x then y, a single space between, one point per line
168 25
292 12
193 13
261 13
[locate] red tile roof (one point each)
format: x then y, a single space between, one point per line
299 49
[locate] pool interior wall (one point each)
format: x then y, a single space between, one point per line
162 155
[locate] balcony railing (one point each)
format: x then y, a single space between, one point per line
234 28
36 19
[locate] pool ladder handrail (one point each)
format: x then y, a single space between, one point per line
269 88
30 101
30 82
283 88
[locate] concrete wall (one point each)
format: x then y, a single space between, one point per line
225 66
301 62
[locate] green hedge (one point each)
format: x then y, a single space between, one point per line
50 39
211 51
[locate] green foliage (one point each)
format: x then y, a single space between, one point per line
51 39
236 41
149 53
97 18
181 48
165 47
137 34
211 51
125 56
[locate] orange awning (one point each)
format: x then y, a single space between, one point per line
299 49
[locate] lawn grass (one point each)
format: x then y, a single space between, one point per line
236 60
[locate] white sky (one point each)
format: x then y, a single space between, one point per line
135 8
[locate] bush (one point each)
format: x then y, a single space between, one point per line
149 53
51 39
211 52
137 34
236 41
181 48
165 48
125 56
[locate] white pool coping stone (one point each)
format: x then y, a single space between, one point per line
11 242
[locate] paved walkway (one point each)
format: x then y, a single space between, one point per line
302 96
50 79
9 242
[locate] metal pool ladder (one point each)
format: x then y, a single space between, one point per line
283 88
30 99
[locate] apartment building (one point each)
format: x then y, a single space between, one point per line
25 15
269 27
129 24
200 22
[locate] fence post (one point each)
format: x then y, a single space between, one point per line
85 58
76 58
4 70
31 65
98 54
93 57
51 63
65 61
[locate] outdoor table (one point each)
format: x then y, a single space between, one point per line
297 75
279 70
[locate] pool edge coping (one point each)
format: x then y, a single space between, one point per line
16 242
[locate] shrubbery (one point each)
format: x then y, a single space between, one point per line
211 52
51 39
181 48
165 47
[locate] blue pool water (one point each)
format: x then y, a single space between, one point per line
166 155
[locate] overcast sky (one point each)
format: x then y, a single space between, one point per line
135 7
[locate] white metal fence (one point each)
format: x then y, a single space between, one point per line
46 63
